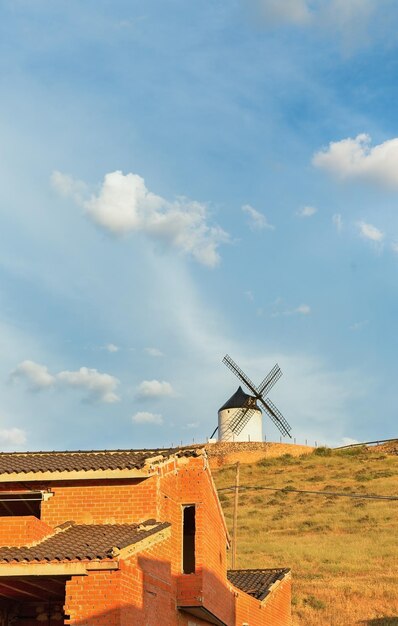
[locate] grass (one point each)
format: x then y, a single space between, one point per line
343 552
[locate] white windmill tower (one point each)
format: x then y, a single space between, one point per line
240 418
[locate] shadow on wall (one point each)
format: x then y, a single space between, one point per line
156 605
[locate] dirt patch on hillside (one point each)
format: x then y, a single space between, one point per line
225 453
390 447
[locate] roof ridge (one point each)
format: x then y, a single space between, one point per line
103 451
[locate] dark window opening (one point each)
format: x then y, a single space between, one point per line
188 540
18 504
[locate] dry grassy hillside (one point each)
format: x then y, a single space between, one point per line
343 552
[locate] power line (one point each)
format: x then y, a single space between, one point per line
290 490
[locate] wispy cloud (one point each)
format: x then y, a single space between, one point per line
68 186
337 221
111 347
154 389
37 376
357 326
307 211
97 385
357 159
257 220
302 309
348 441
125 205
12 437
347 18
274 12
145 417
370 232
155 352
100 386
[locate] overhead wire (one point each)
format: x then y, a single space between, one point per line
290 490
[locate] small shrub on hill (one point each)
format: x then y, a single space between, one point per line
314 603
323 451
357 451
364 476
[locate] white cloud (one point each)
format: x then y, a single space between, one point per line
303 309
12 436
368 231
99 386
284 11
307 211
111 347
68 186
154 352
349 18
337 221
124 204
394 247
356 326
37 376
154 389
257 220
144 417
348 441
357 159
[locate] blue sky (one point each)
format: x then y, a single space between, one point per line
182 180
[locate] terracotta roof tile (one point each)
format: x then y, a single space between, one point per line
24 462
256 582
83 542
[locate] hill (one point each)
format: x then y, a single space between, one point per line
343 551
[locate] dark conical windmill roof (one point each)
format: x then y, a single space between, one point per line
237 400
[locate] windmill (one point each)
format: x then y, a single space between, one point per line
235 415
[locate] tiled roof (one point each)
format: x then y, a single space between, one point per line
255 582
84 542
24 462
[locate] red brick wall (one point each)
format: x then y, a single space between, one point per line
192 484
20 531
275 610
146 588
93 600
101 502
95 501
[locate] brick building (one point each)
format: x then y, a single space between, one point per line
122 538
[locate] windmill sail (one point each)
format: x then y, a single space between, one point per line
276 416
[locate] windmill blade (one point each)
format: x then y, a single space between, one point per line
270 380
213 433
237 422
240 374
240 419
245 419
276 416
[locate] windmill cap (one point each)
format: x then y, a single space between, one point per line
238 400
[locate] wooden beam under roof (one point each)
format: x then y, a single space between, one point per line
37 589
